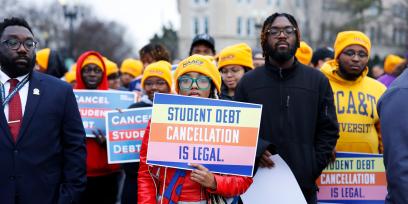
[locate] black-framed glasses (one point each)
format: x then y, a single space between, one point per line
14 44
352 53
157 83
275 31
202 82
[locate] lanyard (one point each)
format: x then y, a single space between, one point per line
5 100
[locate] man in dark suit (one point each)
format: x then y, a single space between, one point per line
42 150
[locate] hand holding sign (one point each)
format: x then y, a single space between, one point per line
93 105
265 160
125 131
100 137
202 176
220 135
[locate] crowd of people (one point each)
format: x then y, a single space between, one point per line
315 103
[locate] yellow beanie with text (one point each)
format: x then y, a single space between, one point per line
161 69
347 38
200 64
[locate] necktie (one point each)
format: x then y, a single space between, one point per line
15 112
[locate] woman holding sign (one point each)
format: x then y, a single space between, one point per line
194 76
233 62
102 178
156 78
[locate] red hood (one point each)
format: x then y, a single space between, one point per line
80 83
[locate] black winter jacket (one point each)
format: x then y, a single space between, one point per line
298 117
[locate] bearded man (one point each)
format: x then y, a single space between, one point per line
298 115
42 147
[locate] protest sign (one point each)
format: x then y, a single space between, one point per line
221 135
274 185
353 178
125 131
93 104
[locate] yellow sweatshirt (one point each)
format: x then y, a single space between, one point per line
356 108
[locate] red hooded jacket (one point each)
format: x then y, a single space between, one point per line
152 181
97 159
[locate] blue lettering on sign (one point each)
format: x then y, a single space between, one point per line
207 154
227 116
183 152
365 164
351 193
356 104
334 192
189 114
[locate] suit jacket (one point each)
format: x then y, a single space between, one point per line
46 164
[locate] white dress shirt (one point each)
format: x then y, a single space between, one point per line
23 92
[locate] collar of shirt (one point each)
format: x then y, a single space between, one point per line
4 77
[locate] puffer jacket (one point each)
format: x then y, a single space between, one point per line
153 180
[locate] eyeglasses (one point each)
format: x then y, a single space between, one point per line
157 83
185 82
352 53
14 44
275 31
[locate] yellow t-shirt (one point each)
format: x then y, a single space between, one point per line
356 108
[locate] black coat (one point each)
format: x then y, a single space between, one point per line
298 118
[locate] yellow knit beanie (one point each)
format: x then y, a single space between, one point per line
304 53
200 64
132 67
239 54
42 57
92 59
111 67
347 38
161 69
391 62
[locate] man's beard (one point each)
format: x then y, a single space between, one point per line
346 75
281 56
9 66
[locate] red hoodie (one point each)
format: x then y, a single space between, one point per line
97 159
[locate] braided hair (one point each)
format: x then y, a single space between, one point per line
264 33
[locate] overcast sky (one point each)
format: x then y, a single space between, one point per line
143 18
